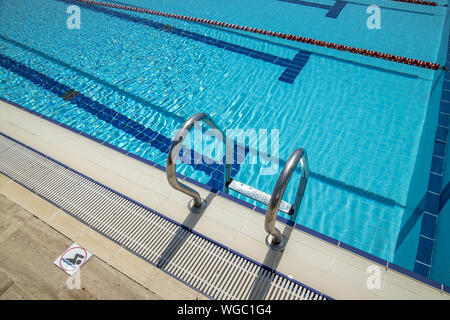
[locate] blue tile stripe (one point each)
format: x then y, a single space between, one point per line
333 11
336 9
445 196
255 54
436 196
294 67
121 122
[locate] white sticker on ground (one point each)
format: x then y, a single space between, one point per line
72 259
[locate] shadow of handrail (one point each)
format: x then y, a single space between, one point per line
181 235
261 284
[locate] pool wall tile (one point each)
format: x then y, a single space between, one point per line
429 223
441 134
443 118
436 196
445 107
435 183
437 165
439 149
421 268
424 250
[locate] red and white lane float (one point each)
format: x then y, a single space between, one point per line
424 3
331 45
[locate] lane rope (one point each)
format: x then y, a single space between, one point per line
425 3
331 45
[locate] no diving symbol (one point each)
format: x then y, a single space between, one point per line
73 259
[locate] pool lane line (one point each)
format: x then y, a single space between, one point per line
155 139
293 66
437 195
315 42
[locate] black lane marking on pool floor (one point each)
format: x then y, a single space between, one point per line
119 121
333 11
288 77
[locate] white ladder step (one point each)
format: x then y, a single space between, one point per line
258 195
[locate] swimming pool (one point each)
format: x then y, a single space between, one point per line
367 124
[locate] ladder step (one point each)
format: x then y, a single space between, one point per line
258 195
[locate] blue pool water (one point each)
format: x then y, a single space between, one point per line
367 124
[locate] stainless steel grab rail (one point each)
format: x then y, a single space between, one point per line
278 240
174 152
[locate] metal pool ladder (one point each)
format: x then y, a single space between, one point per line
274 201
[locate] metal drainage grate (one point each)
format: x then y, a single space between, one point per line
206 266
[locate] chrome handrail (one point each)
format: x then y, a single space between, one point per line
174 152
278 241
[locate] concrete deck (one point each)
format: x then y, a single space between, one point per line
27 248
33 233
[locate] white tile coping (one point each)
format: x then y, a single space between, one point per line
323 266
